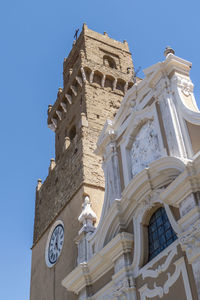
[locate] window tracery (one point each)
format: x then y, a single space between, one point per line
160 233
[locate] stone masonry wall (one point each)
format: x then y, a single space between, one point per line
59 187
102 104
105 71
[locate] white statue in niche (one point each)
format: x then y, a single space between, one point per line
145 148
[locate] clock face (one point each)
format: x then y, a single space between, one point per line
54 243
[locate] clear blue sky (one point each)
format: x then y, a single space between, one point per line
35 38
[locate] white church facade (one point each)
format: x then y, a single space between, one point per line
147 242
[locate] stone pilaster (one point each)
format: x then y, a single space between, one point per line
190 235
111 170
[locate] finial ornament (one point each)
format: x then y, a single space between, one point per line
49 108
87 216
39 184
52 164
85 26
168 50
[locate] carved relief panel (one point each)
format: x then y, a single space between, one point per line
145 148
142 142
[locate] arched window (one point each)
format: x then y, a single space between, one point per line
72 133
160 233
109 62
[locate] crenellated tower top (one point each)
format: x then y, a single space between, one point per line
95 60
96 74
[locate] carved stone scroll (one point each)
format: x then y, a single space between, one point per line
146 293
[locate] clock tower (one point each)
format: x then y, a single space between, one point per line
96 74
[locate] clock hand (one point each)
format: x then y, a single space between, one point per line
57 242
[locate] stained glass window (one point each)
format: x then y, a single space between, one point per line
160 233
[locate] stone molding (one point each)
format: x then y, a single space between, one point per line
170 252
160 291
88 272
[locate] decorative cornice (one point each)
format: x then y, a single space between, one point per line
186 183
89 272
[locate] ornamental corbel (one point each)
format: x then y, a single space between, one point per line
83 74
114 84
55 122
79 80
74 90
59 114
91 76
69 98
103 81
64 106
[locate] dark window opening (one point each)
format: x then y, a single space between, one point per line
97 78
109 62
160 233
120 85
72 133
109 82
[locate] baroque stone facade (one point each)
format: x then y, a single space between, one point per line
149 149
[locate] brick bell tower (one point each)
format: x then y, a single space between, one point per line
96 75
